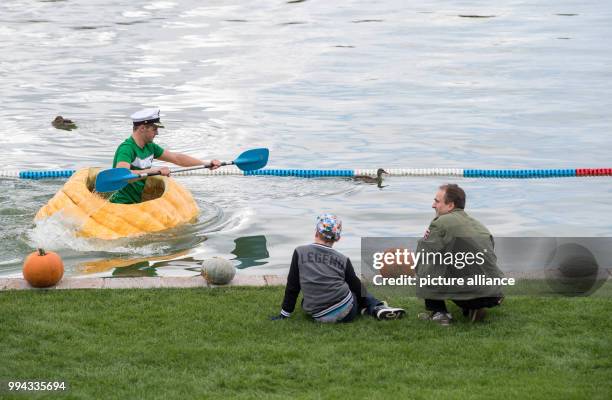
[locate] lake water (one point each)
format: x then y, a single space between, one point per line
352 84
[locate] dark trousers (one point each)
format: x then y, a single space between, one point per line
369 302
472 304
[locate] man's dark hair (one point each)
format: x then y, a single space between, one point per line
454 194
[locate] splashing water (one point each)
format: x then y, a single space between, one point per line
60 232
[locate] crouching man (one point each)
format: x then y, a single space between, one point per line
454 235
332 291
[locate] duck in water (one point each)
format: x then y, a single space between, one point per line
61 123
370 179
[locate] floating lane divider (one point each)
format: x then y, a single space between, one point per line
350 173
448 172
65 173
305 173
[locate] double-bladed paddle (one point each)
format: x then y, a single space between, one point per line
114 179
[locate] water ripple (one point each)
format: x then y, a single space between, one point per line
362 85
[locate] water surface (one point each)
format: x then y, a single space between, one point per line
323 85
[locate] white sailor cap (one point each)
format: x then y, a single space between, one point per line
147 116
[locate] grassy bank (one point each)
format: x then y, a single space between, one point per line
203 343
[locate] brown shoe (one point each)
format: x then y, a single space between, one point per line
477 315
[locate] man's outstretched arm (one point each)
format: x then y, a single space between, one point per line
186 161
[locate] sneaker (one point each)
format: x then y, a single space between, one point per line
364 311
477 315
384 312
441 318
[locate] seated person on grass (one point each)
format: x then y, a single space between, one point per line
332 292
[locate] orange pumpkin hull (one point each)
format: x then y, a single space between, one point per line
96 217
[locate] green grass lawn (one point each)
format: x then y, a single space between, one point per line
219 343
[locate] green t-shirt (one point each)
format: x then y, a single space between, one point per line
138 158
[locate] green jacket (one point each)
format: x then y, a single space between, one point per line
445 252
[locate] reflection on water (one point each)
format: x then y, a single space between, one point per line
250 251
135 270
107 264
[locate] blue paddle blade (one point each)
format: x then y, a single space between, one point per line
252 159
113 179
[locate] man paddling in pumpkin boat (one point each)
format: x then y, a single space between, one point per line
137 152
332 291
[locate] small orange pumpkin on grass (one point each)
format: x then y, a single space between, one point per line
43 268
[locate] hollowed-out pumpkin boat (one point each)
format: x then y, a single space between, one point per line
165 204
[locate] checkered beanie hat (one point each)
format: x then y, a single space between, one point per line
329 226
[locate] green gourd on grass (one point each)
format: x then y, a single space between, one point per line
218 271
